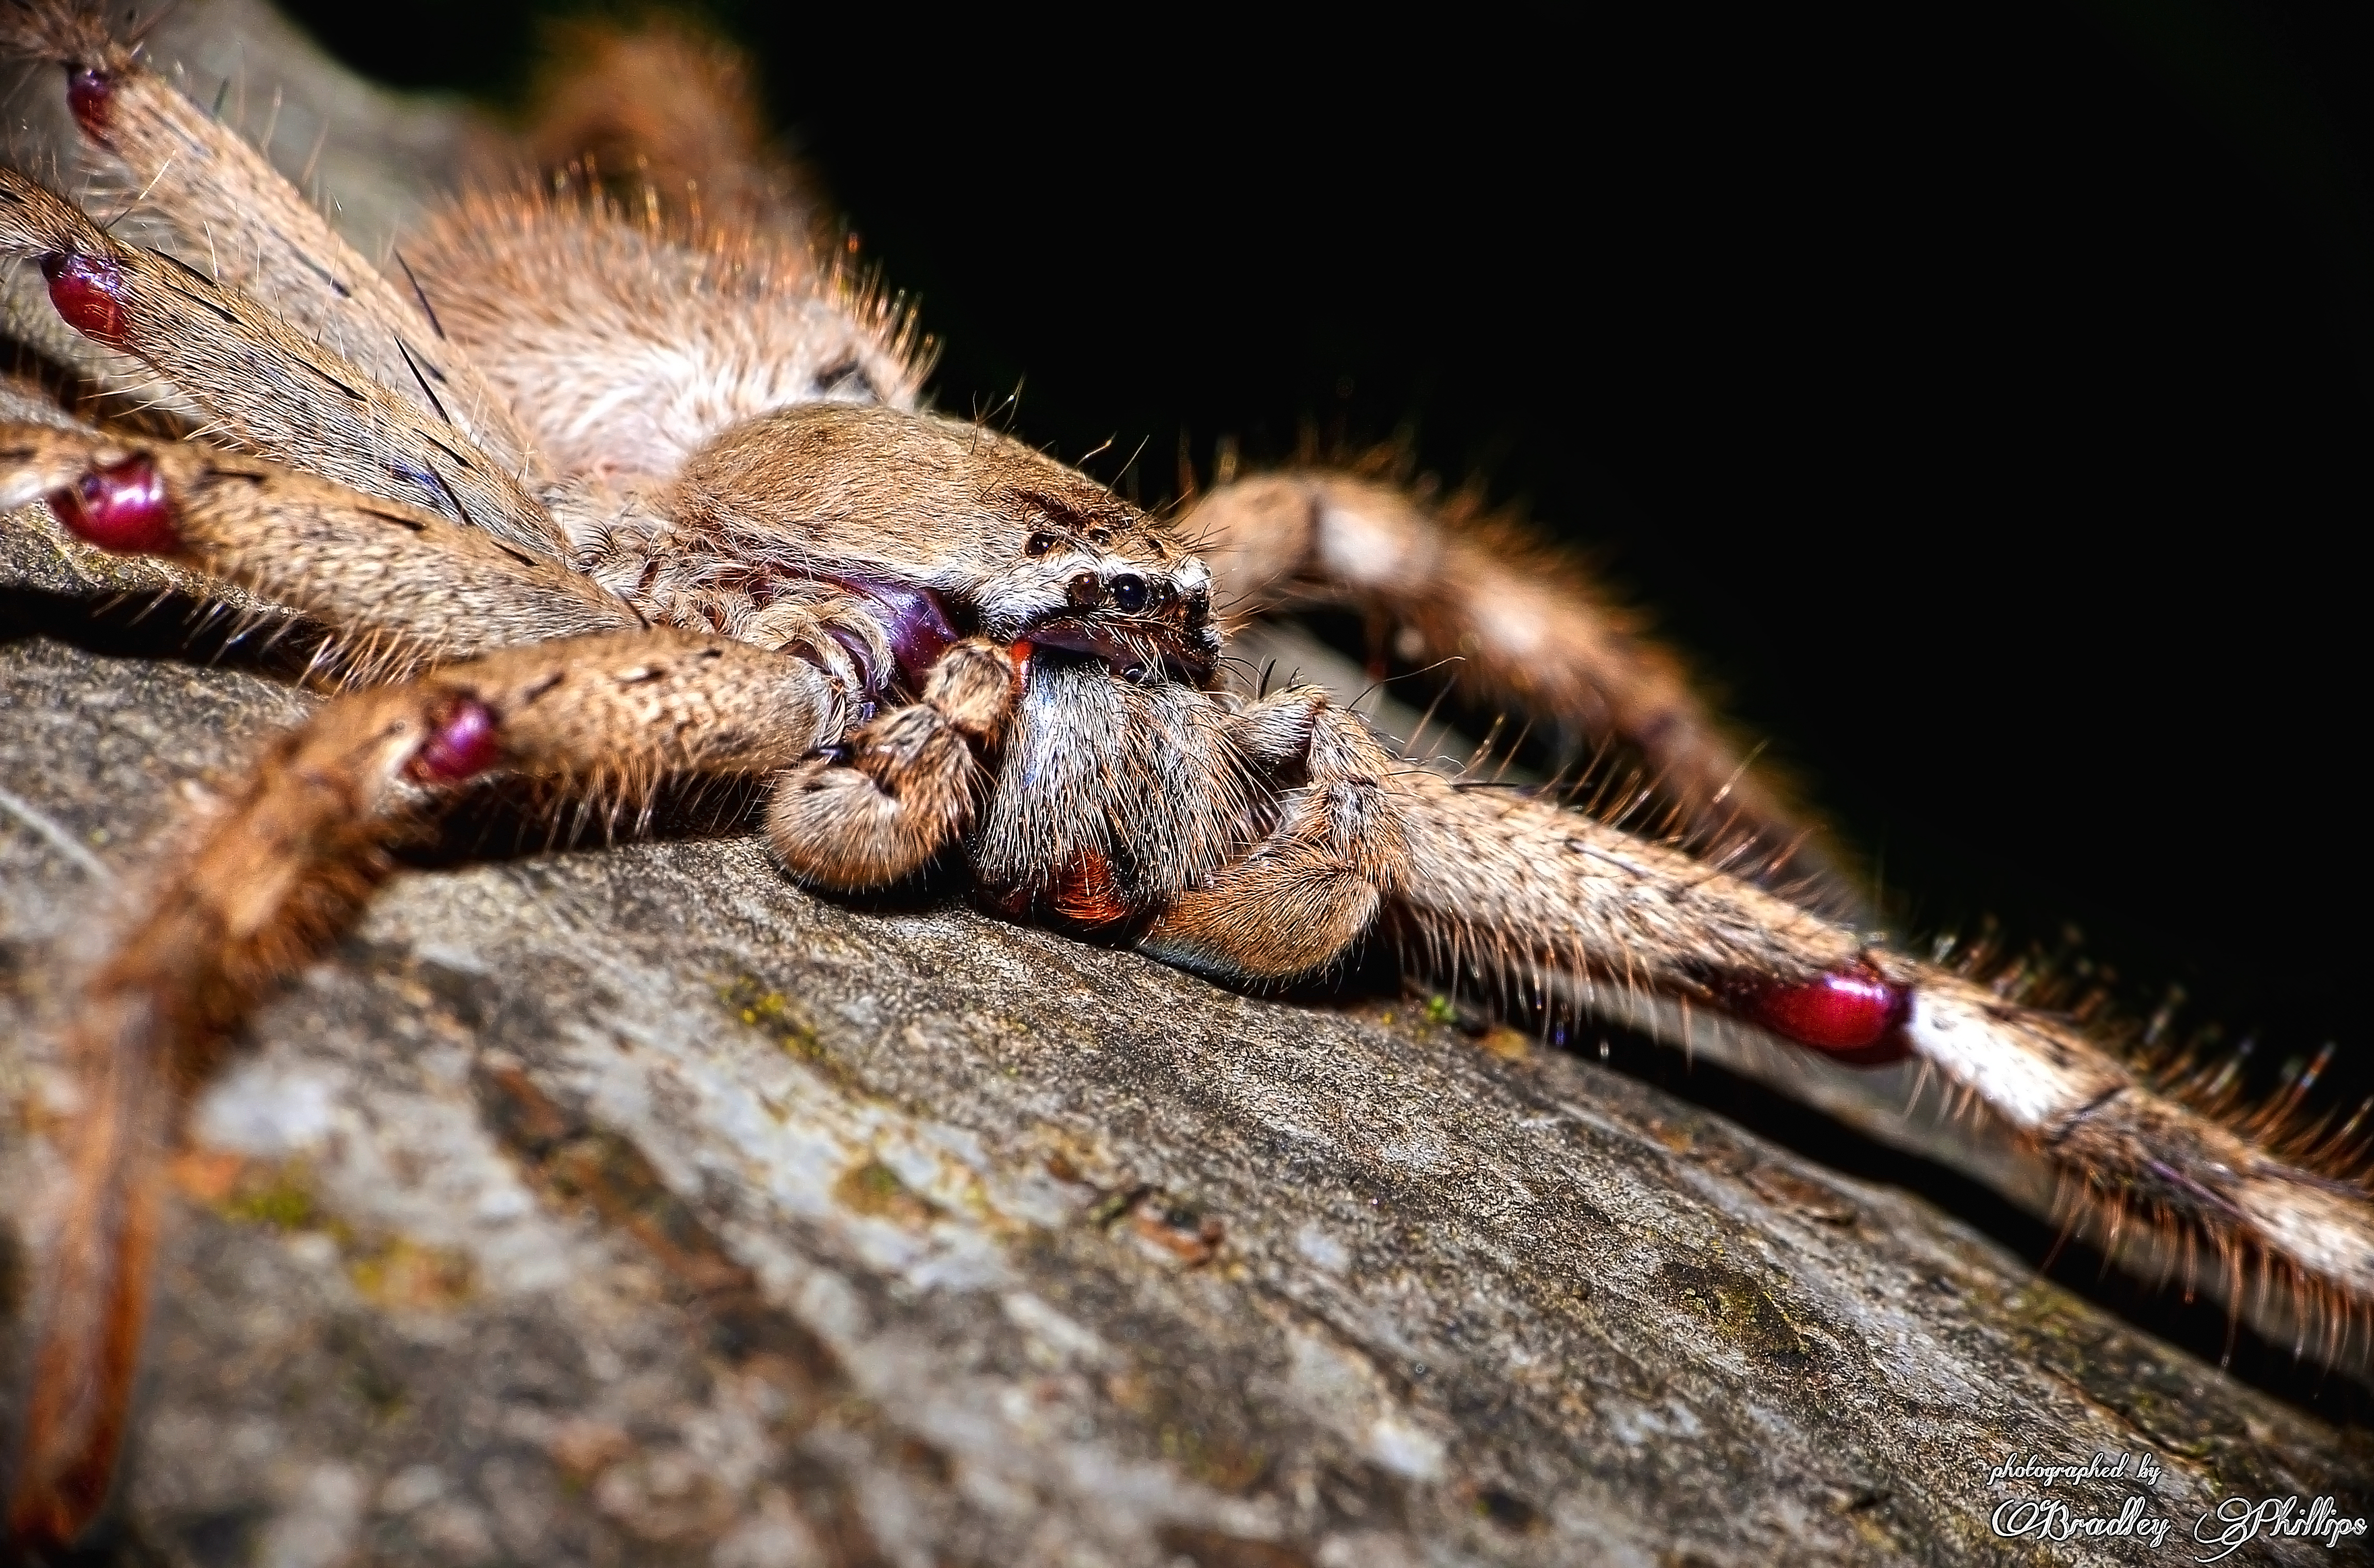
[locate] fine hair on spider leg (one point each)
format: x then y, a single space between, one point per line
1529 631
2159 1226
2099 1181
281 866
2120 1169
2161 1165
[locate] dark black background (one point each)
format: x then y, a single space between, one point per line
1977 392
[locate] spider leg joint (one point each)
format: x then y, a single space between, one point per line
464 741
122 508
1850 1014
90 94
88 294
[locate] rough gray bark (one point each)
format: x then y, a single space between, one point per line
627 1205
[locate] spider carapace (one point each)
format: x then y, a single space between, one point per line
601 498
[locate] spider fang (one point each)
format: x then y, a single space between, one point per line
462 744
1088 894
1086 636
88 294
122 508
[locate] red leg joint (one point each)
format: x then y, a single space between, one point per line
122 508
88 294
464 741
1850 1015
91 95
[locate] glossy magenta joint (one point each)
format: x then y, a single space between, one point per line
122 508
88 294
464 741
1851 1014
90 94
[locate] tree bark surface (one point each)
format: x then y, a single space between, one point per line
625 1204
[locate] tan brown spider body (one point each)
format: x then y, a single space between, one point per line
601 499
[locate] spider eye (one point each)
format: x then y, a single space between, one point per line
1100 536
1038 544
1128 593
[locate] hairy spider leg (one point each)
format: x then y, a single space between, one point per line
897 790
1313 887
261 238
1529 632
290 857
402 587
280 395
1560 909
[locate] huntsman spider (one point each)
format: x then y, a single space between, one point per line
607 496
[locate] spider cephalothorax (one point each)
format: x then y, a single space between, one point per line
1093 642
599 500
1011 544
